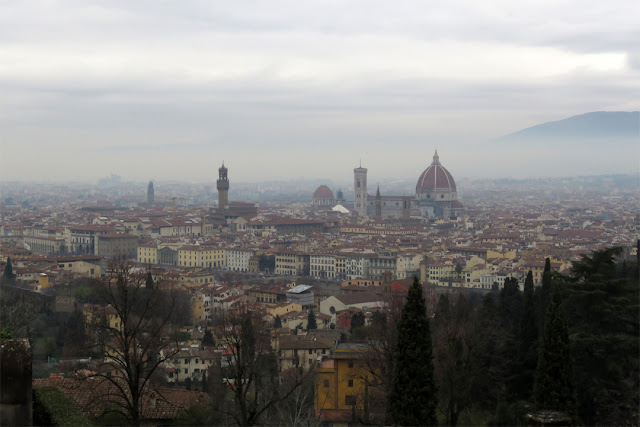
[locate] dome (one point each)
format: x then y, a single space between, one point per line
323 192
435 178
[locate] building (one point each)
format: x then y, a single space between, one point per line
346 385
301 294
223 188
436 196
112 245
150 193
323 196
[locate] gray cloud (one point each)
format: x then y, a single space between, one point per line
283 89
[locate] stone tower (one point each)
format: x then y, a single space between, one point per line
150 193
223 188
360 190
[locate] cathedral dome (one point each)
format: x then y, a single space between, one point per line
323 192
435 178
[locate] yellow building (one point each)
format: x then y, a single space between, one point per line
345 385
148 254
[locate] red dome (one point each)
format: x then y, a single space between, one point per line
435 177
323 192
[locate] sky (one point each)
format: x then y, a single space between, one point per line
282 90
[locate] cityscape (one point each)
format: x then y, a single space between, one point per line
293 214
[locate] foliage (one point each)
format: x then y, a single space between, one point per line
604 328
207 339
554 374
311 320
357 320
198 415
528 351
455 346
149 281
8 270
413 394
52 408
179 336
277 323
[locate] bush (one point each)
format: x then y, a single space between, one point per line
52 408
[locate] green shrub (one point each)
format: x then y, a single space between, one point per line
52 408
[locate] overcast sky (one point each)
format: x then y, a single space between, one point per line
285 89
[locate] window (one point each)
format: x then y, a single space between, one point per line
350 364
186 361
310 351
186 371
350 383
350 400
197 361
326 383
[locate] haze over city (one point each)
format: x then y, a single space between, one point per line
282 90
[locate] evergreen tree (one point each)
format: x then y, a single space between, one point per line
277 323
528 352
187 383
204 382
207 339
412 400
311 321
554 374
357 320
543 297
8 269
603 314
149 281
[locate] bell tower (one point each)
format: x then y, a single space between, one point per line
360 190
223 188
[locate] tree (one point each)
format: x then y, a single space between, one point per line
149 281
252 373
413 395
357 320
130 334
277 323
207 339
554 374
528 351
455 347
204 382
311 321
8 269
603 314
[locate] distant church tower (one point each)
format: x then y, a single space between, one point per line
360 190
223 188
378 204
150 193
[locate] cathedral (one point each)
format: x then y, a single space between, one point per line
435 196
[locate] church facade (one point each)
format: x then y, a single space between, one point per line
436 196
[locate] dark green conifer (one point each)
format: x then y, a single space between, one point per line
149 282
554 374
311 320
412 401
528 352
8 269
277 323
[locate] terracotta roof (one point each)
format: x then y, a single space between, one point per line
435 177
323 192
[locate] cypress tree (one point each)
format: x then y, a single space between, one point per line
528 352
204 382
8 269
311 320
277 323
412 401
149 282
554 375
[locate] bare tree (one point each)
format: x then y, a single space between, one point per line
251 366
131 332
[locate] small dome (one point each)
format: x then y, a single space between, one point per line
435 178
323 192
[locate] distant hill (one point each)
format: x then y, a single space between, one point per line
600 125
